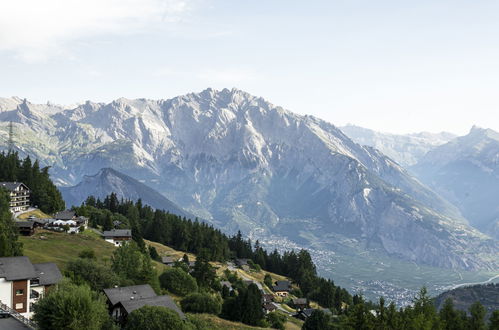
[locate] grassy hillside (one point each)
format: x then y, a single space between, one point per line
48 246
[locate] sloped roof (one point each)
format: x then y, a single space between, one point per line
17 268
168 260
282 286
117 233
24 224
48 273
65 215
163 301
12 185
115 295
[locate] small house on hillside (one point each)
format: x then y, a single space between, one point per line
169 261
267 298
243 264
300 303
269 308
68 215
23 283
117 236
26 228
124 300
19 195
307 312
282 288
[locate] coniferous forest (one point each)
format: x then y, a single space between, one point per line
44 194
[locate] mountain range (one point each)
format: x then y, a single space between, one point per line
240 162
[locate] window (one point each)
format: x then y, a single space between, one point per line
19 292
19 306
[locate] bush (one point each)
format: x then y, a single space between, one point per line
201 303
70 306
87 271
87 254
276 320
177 281
154 318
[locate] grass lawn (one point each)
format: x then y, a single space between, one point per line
49 246
37 213
211 322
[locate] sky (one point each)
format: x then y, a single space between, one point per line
395 66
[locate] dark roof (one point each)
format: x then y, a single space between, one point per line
267 297
24 224
17 268
282 286
300 301
115 295
168 260
269 307
65 215
117 233
11 185
165 301
48 273
241 262
10 323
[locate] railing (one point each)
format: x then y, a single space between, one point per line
18 316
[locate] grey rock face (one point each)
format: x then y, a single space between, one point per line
243 163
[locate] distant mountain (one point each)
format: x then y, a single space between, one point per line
108 180
406 149
464 297
466 172
243 163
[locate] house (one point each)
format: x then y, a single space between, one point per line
267 298
282 288
117 236
305 313
269 308
65 215
300 303
243 264
169 261
23 283
124 300
26 228
19 195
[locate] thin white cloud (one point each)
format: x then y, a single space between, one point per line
38 29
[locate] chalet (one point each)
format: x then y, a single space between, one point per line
70 218
26 228
124 300
300 303
117 236
19 195
282 288
267 298
243 264
307 312
269 308
23 283
169 261
227 284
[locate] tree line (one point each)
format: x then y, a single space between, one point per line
43 193
194 236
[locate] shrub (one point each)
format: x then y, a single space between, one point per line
177 281
201 303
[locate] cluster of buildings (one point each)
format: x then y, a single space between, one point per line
62 221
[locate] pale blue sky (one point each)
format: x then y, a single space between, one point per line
396 66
